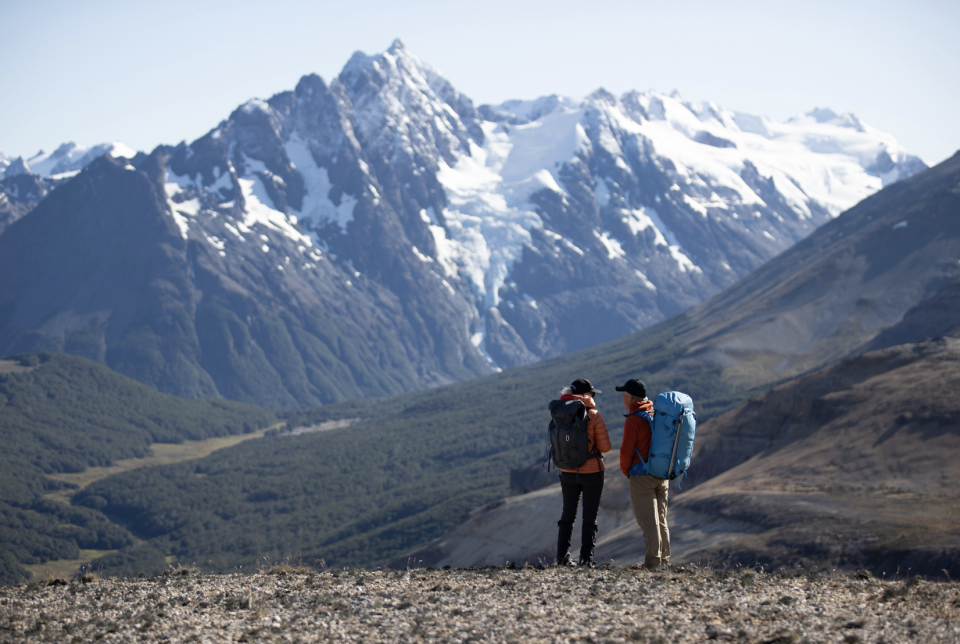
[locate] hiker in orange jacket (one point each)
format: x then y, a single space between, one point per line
586 481
648 494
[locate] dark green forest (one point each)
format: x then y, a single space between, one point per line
61 413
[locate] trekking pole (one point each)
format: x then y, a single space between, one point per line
676 442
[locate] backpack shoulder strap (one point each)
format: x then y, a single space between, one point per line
646 415
597 454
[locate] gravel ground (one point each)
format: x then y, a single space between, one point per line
492 604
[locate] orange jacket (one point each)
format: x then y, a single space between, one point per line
636 435
596 432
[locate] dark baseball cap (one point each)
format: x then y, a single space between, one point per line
581 387
634 387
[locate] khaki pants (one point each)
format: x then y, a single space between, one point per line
648 495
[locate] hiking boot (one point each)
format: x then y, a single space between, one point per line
588 563
567 562
654 567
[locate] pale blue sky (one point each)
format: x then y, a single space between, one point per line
148 72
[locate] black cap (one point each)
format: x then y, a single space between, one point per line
581 387
634 387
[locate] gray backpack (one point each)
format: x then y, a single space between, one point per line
569 438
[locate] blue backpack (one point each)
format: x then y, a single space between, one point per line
673 424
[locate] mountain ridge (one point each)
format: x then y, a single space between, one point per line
379 233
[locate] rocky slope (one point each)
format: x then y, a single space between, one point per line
852 464
884 417
379 233
494 604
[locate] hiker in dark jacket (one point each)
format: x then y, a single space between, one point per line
585 481
648 494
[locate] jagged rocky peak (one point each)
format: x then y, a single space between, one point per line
406 109
826 115
20 191
17 166
69 158
520 112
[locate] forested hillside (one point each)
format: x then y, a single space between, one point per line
61 413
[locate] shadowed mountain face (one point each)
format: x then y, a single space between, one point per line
378 234
100 269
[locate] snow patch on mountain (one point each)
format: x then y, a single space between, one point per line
174 186
641 219
317 207
819 156
487 225
646 282
819 160
447 250
541 145
71 157
613 246
259 207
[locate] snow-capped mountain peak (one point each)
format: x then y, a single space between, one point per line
647 181
17 167
382 215
406 106
70 158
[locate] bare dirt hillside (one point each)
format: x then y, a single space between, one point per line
850 465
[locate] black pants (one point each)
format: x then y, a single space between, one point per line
573 486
